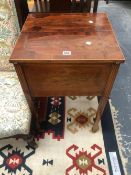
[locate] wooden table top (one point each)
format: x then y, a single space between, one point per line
67 38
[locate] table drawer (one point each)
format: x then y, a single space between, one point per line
66 79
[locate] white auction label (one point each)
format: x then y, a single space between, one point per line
66 52
114 163
88 43
91 22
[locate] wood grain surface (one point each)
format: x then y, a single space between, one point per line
66 79
88 37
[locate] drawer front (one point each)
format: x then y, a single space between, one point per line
66 79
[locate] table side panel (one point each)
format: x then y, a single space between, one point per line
66 79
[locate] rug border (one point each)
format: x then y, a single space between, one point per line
109 137
117 126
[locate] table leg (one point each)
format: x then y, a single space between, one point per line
27 93
101 107
105 96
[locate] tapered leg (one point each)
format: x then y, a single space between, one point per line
27 93
105 96
101 107
25 88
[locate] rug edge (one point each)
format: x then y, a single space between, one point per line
117 126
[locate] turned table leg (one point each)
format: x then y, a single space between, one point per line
105 96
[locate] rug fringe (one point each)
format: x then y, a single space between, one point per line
118 126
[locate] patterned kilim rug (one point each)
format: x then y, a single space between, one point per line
68 146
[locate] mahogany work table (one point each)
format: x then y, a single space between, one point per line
67 55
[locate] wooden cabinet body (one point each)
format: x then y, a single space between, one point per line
66 79
67 55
